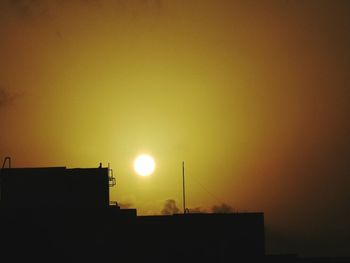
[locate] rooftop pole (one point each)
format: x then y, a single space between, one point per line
183 187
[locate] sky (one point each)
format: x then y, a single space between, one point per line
251 95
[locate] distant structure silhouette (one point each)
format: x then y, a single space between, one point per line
6 159
64 212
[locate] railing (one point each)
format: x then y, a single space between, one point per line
111 178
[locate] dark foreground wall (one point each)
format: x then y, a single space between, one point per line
63 215
54 187
115 235
218 237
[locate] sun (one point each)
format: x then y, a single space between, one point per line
144 165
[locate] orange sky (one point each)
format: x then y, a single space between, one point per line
252 95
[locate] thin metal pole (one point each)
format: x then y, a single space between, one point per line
183 186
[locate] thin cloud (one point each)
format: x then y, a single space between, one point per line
36 7
7 97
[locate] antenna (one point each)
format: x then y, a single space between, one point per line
183 186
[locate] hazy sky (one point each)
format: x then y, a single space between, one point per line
252 95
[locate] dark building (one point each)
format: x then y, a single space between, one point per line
218 237
54 187
63 215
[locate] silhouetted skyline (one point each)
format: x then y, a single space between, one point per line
252 95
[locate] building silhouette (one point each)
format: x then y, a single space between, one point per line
60 214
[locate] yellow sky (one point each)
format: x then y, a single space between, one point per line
252 95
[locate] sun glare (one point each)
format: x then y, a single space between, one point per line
144 165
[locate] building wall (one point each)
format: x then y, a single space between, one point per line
218 237
66 212
54 187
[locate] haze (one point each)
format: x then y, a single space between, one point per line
252 95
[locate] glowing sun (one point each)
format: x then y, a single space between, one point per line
144 165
